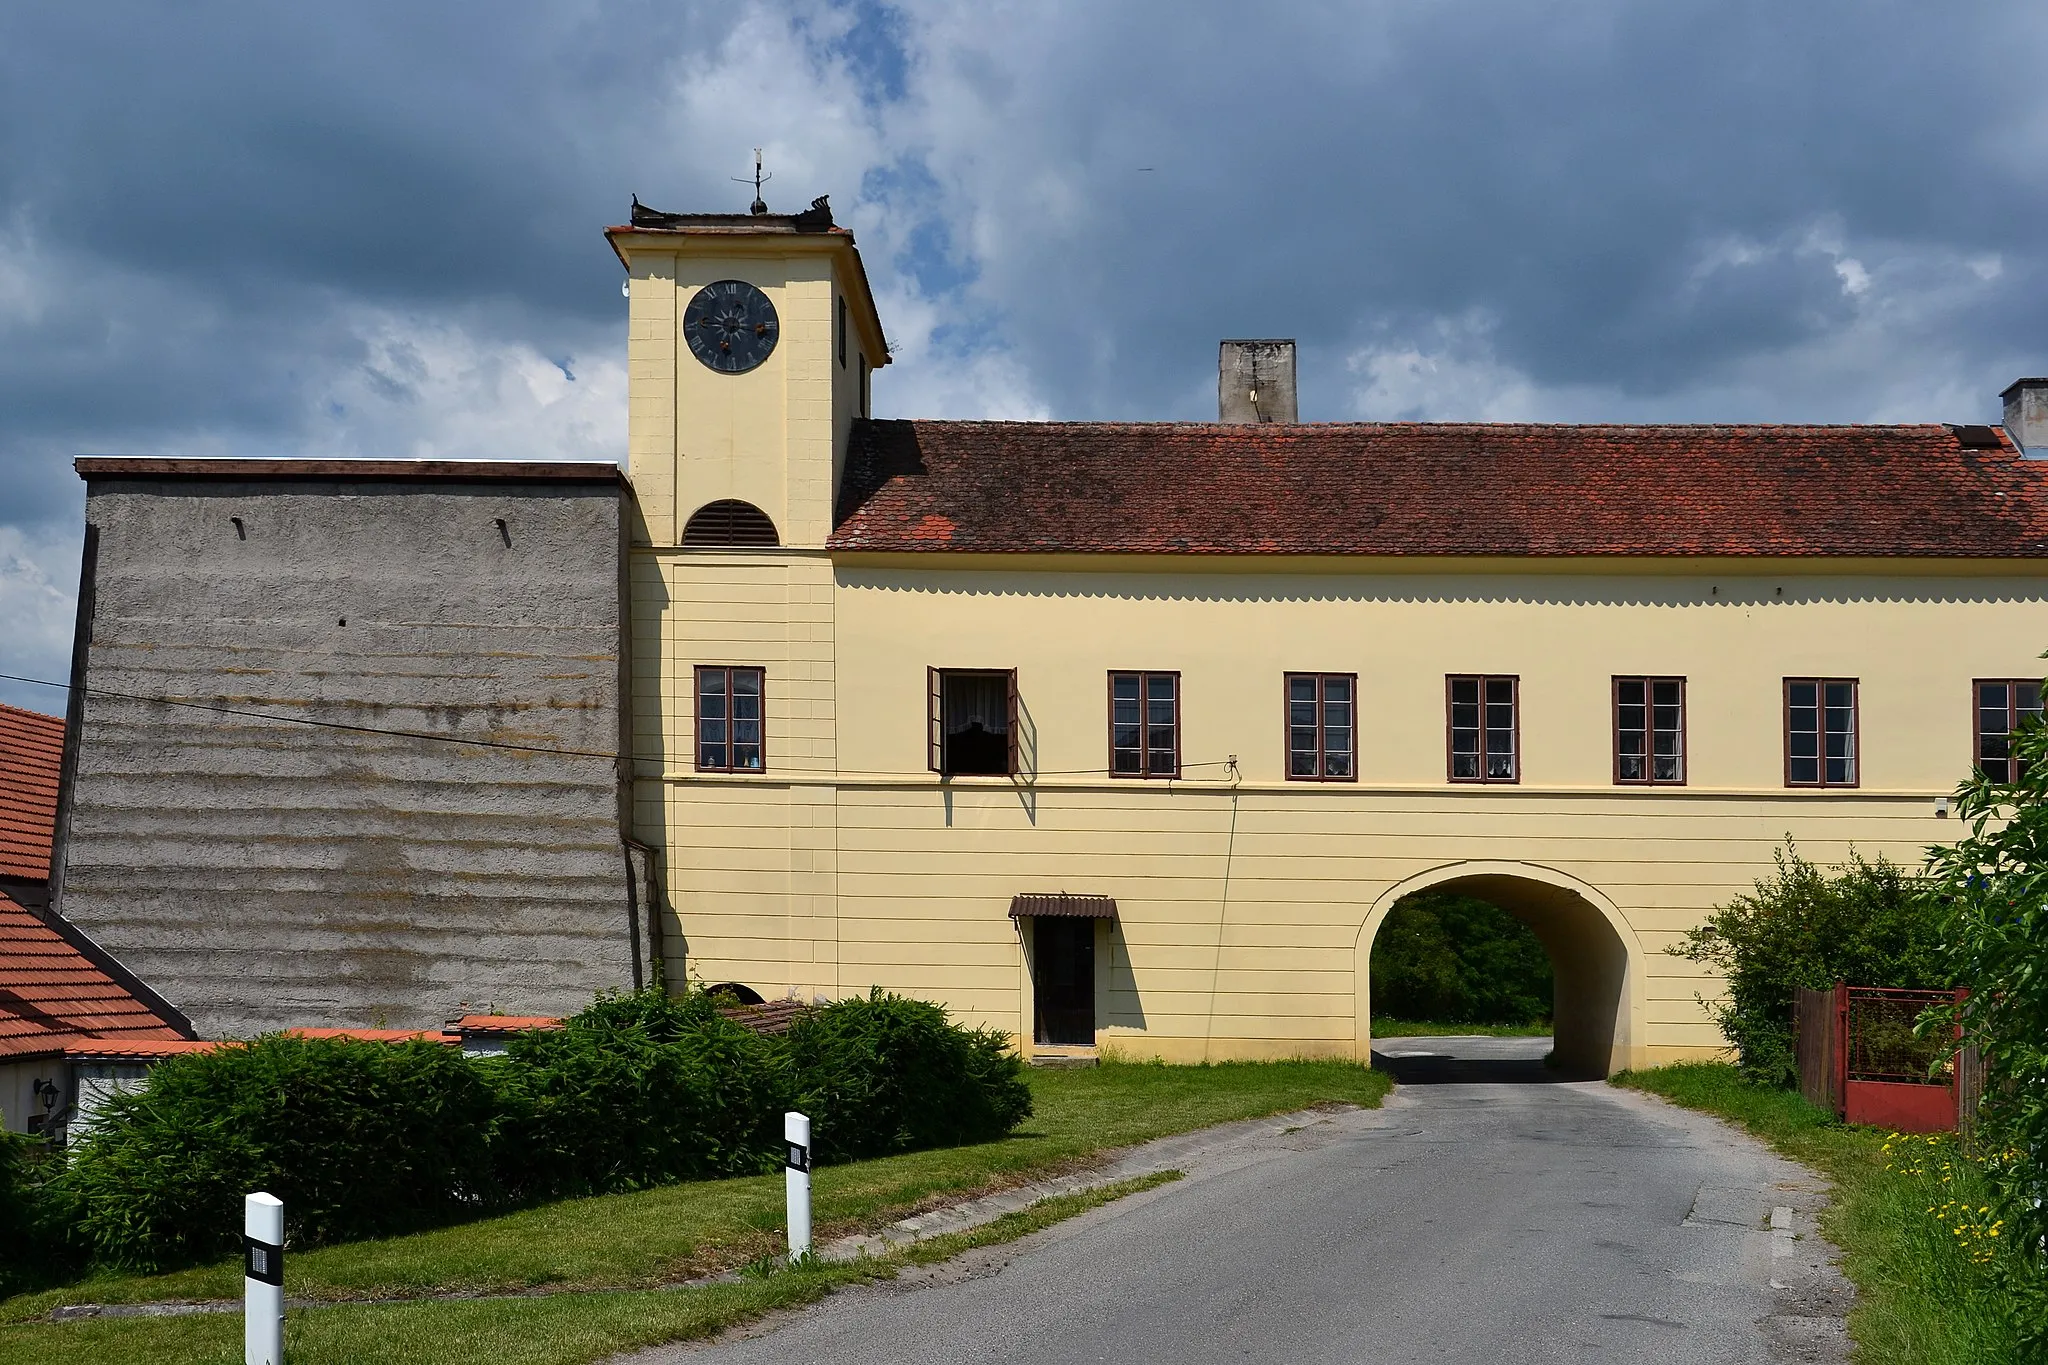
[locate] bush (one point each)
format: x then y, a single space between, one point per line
886 1074
1867 923
358 1139
637 1090
1458 960
366 1139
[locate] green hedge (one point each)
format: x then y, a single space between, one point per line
365 1139
637 1090
885 1074
358 1140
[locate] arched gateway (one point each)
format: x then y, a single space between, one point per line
1594 956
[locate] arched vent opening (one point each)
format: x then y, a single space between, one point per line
730 522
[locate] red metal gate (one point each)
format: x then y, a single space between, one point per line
1861 1055
1891 1075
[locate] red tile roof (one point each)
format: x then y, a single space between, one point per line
51 995
31 751
1406 488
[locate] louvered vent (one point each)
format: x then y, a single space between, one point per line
730 522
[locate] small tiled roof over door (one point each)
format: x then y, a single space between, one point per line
1062 905
52 996
31 751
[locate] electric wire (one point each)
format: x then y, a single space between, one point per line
610 756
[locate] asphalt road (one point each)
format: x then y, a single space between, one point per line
1486 1215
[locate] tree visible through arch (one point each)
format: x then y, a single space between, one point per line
1594 955
730 522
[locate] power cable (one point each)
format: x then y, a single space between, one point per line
610 756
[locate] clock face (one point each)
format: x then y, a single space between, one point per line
730 326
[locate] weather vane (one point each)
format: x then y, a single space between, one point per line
760 205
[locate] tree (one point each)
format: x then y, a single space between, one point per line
1993 885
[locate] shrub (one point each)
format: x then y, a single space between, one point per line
365 1139
1458 960
886 1074
1868 923
358 1139
637 1090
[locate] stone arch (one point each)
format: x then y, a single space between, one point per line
729 522
1595 956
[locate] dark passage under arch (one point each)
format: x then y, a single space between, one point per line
730 522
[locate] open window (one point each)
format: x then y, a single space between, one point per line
971 721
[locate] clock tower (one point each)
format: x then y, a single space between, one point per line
751 338
751 341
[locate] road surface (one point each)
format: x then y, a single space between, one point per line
1487 1214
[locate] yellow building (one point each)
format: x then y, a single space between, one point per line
1129 735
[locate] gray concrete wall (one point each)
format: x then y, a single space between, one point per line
260 873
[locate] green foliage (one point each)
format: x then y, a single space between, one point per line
636 1090
887 1074
363 1139
1457 959
1867 923
1993 886
358 1139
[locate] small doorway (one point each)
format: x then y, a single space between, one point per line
1063 981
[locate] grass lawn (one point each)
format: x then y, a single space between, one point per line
1921 1299
607 1257
1412 1028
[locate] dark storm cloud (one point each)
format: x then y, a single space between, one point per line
1564 167
246 228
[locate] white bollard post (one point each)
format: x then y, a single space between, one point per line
796 1130
263 1280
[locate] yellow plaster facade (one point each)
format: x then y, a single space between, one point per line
1246 903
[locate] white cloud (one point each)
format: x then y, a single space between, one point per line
38 582
434 388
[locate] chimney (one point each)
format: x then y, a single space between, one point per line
2026 416
1255 382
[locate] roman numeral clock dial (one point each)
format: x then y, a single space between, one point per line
730 326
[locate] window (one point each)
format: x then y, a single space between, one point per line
2003 706
1144 725
1484 728
1649 730
1820 732
971 721
842 331
729 720
1322 727
864 386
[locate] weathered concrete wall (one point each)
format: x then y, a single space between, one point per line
261 873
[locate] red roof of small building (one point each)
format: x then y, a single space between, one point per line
51 995
31 752
1412 488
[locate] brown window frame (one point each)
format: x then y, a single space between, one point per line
1650 778
2014 717
1514 680
842 331
697 716
1821 782
1144 677
935 718
1322 773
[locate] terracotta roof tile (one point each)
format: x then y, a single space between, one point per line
1438 489
31 752
503 1023
51 996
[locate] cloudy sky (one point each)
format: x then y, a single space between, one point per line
372 229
